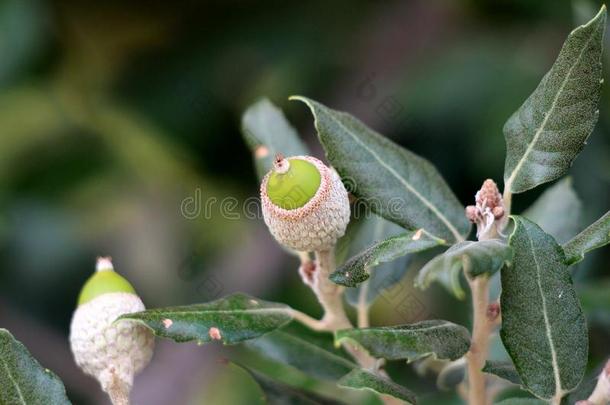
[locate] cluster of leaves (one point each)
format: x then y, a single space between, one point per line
543 327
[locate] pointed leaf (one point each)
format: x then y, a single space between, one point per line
544 136
279 393
237 317
441 339
362 379
557 211
595 236
267 133
360 234
484 257
354 271
23 381
503 369
543 327
397 184
303 354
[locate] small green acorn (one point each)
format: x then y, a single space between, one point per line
112 352
305 204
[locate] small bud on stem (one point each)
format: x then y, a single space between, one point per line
493 312
487 211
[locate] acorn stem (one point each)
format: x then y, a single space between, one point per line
329 293
330 296
118 392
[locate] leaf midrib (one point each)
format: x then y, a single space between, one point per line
314 347
285 311
408 186
530 147
558 390
406 331
10 376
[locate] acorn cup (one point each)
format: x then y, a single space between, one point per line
111 351
305 204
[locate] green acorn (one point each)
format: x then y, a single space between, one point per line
305 204
112 352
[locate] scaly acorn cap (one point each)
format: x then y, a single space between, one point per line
304 203
112 352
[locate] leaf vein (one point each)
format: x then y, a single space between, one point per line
539 130
405 183
558 390
10 376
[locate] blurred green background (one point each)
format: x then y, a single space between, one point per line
115 116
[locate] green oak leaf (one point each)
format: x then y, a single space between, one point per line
23 381
595 236
483 257
237 318
279 393
544 136
543 326
363 231
355 270
363 379
441 339
395 183
267 133
303 353
503 369
557 211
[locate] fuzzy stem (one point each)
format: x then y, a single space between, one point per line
329 294
308 321
480 341
303 257
363 306
118 392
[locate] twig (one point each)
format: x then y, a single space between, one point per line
490 214
480 341
329 294
363 306
118 391
308 321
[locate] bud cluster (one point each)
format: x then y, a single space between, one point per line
488 209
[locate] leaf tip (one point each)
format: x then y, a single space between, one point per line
600 16
312 104
296 97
